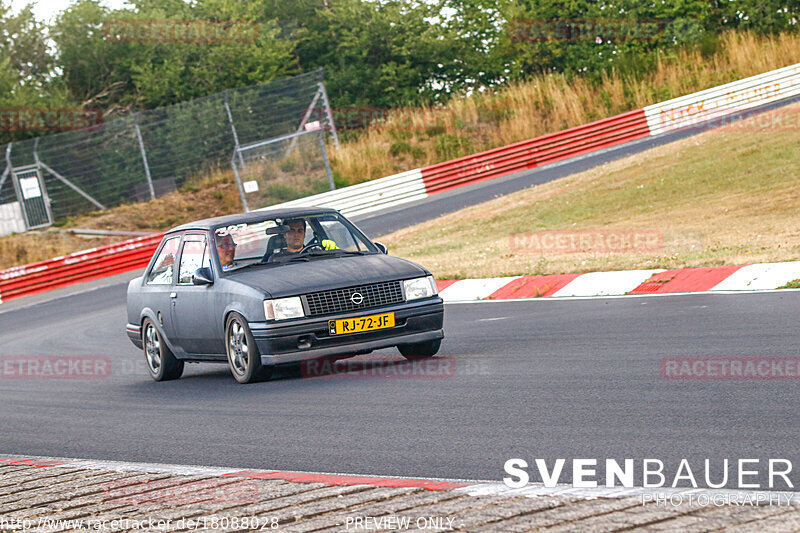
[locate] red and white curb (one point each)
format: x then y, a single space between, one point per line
727 279
467 487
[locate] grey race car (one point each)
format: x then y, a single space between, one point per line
272 287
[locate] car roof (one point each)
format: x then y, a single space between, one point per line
253 216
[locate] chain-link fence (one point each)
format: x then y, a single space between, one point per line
282 169
141 156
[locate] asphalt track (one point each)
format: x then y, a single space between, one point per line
541 379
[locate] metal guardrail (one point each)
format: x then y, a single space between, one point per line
729 99
536 152
79 267
369 196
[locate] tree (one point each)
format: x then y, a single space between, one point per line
27 72
103 64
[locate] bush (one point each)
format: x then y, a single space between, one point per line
449 146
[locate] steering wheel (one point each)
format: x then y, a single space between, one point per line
311 246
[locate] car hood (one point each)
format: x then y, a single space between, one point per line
295 278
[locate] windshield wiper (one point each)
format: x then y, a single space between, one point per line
332 253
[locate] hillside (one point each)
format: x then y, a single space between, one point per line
725 197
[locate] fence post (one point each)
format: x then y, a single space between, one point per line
325 160
7 171
144 158
233 129
328 112
239 179
39 176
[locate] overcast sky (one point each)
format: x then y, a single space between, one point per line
47 9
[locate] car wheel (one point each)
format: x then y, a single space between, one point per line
243 357
161 363
420 350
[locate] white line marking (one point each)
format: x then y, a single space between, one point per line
620 296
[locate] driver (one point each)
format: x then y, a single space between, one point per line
297 236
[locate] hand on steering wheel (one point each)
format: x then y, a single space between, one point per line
311 246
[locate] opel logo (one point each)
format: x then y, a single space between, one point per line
356 298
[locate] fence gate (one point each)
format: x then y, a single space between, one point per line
32 196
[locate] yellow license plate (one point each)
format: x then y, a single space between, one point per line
364 323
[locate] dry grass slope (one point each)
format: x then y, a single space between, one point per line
410 138
725 197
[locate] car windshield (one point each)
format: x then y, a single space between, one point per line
280 240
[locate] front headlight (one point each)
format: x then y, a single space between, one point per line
419 288
283 308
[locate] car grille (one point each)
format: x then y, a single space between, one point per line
338 300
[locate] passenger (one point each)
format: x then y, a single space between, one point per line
226 248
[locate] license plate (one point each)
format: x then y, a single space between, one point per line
364 323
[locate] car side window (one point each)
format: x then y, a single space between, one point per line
163 269
195 255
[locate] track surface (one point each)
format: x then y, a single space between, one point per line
542 379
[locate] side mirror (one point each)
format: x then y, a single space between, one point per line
202 276
382 247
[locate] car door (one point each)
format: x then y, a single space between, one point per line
192 305
158 287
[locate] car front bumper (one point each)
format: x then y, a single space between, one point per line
308 338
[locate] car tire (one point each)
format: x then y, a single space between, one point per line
244 359
162 365
420 350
